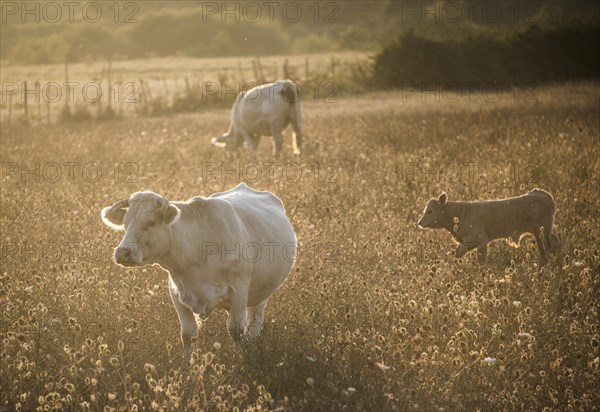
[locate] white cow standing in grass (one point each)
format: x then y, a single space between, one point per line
261 111
231 250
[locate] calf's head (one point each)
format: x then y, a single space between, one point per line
146 218
433 214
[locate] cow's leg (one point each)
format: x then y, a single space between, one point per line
277 133
187 320
247 140
298 136
541 247
255 320
482 253
237 323
255 141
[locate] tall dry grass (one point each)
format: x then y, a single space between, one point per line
375 315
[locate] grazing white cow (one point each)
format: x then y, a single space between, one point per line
230 250
262 111
475 224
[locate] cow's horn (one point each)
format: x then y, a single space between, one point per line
119 205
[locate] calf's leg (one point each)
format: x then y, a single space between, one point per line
541 247
482 253
555 243
466 246
551 240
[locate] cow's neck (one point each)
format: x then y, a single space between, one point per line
451 210
178 261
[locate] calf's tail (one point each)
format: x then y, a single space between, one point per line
552 240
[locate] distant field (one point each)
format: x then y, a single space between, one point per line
173 67
164 77
376 315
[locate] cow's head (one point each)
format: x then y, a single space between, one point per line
433 214
146 218
229 141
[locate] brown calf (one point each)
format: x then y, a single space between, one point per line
475 224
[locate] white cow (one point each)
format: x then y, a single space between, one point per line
262 111
231 250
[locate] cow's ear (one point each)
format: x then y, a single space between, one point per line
443 198
113 218
171 215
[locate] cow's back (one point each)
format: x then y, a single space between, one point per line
259 211
263 107
268 231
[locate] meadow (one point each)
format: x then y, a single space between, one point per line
376 315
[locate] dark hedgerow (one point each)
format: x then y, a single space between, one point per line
535 55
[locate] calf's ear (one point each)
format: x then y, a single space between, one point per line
443 197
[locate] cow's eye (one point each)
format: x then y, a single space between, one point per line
429 212
151 223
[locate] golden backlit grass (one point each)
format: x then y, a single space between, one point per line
376 314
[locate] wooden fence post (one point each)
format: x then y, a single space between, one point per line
260 70
25 101
188 89
255 72
333 66
9 109
66 112
109 110
242 77
286 73
306 70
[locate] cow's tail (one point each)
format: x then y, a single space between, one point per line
291 94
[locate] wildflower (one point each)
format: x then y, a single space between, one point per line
382 366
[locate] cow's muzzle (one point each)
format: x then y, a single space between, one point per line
127 255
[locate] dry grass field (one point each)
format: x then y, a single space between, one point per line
376 314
